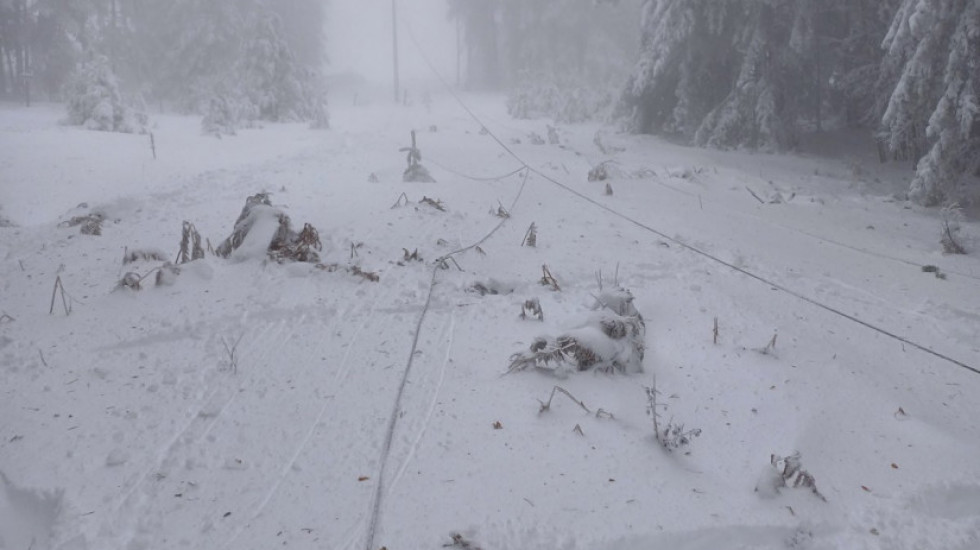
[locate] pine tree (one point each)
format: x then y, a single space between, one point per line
94 100
933 112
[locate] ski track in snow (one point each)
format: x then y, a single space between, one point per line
448 335
219 398
341 378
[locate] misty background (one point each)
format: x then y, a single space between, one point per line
744 74
360 40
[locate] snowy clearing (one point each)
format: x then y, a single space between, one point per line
250 404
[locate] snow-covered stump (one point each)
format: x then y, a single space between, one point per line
612 339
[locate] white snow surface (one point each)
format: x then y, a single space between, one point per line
137 422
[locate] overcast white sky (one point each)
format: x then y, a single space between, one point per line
359 39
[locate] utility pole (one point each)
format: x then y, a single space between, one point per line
394 45
459 53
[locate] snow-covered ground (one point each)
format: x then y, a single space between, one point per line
251 405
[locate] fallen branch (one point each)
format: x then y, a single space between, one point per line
232 352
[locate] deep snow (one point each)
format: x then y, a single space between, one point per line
136 422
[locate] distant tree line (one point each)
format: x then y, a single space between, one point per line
755 73
560 58
174 52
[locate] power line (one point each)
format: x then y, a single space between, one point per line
680 243
474 178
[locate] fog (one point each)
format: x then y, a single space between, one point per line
359 38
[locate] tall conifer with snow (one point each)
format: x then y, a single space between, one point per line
933 111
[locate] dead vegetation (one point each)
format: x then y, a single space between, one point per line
353 270
430 202
599 172
532 310
140 254
531 236
66 300
90 224
547 279
415 171
490 287
770 348
791 474
458 541
434 203
190 244
412 256
671 436
500 211
131 280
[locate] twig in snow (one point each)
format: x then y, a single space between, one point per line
232 352
500 212
398 202
754 195
443 263
771 346
546 406
65 302
530 236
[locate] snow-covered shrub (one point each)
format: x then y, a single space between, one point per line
611 339
264 231
190 244
95 102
